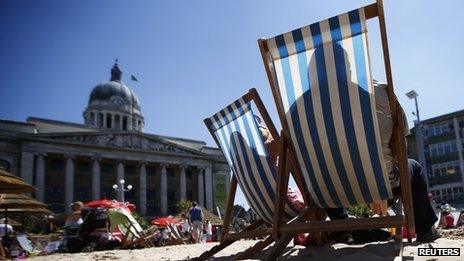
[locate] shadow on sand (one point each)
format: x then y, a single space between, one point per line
371 251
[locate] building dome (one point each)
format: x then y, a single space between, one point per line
114 105
108 91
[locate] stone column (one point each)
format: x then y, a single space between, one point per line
201 190
164 189
120 175
183 182
96 177
104 119
209 188
69 183
27 165
112 121
143 188
129 122
40 176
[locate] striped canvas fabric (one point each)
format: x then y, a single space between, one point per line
238 135
324 79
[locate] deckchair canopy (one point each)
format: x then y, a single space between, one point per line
323 85
236 131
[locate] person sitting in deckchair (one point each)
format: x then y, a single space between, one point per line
424 216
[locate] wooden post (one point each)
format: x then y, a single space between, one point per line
399 148
229 208
281 185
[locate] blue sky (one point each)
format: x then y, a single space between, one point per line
194 57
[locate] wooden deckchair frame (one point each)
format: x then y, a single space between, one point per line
399 153
254 229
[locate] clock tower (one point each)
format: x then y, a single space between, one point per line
113 105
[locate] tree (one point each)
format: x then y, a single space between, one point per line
184 205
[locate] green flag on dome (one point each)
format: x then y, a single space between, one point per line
133 78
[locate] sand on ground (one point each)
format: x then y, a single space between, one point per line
370 251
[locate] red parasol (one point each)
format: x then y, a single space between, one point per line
105 203
163 221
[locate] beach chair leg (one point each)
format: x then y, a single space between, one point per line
250 252
279 246
281 184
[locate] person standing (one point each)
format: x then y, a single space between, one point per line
209 230
185 225
196 219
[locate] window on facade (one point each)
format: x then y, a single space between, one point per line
92 118
107 168
170 173
55 193
443 191
171 194
151 195
437 192
108 120
189 195
188 173
82 193
124 123
455 190
448 190
129 170
83 167
461 189
57 165
108 192
150 171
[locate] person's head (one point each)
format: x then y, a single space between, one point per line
461 215
207 221
183 215
194 204
263 129
77 206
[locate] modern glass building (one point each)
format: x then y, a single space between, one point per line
443 149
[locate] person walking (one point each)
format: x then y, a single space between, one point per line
196 219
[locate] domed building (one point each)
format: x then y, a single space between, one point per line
114 105
69 161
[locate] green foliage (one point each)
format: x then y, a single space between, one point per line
142 221
360 211
184 205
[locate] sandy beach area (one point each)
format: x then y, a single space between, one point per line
371 251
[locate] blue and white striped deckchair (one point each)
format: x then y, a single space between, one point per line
236 131
321 81
325 87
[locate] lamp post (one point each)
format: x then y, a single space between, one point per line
120 189
419 139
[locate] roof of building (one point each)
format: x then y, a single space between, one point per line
48 126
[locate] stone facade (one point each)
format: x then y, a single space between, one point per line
69 161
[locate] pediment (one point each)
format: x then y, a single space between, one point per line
127 140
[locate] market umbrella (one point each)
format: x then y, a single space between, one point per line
19 201
12 184
163 221
105 203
